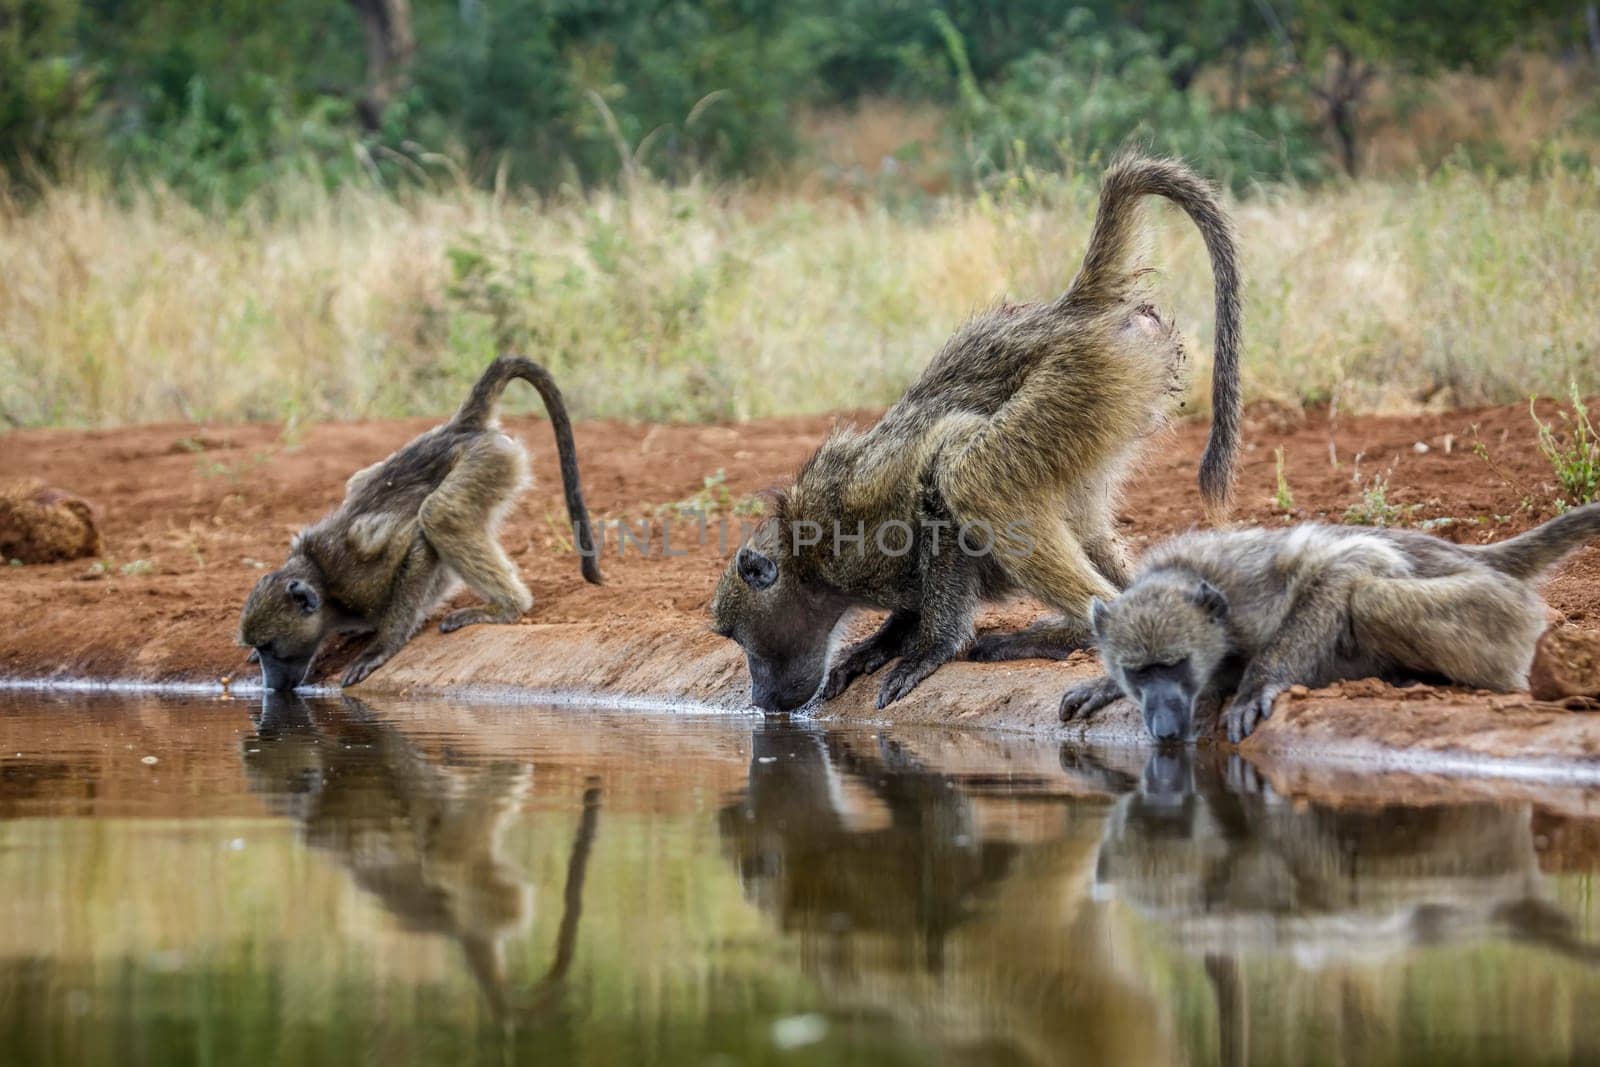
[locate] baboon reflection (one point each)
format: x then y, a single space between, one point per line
1203 844
423 837
1064 922
1235 874
925 898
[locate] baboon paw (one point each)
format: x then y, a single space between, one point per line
839 679
363 667
1083 700
906 676
1249 709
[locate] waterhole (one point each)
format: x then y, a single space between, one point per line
186 880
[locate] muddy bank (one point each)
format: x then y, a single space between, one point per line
191 516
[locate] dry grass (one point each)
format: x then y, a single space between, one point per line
699 303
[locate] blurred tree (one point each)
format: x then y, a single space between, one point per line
1336 50
45 91
390 50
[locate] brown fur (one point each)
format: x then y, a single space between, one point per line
1026 420
43 525
410 527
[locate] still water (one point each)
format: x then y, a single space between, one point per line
194 881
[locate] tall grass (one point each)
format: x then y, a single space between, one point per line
695 302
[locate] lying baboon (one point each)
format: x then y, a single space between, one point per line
1017 435
409 529
1252 612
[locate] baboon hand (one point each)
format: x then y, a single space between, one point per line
842 674
370 660
1086 698
913 667
1251 706
864 658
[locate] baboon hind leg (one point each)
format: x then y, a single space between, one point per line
1057 570
458 519
1476 628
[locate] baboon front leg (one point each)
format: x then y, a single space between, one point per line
1301 653
414 593
458 519
949 580
865 657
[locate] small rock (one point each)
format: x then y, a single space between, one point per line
1566 664
39 524
1420 447
1298 691
150 761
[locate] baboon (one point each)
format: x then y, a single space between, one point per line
1252 612
1018 434
410 528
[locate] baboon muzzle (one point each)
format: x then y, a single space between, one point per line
282 675
1166 712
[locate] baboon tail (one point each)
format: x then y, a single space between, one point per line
1105 278
1529 555
479 409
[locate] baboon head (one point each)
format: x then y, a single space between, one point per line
285 619
784 624
1162 641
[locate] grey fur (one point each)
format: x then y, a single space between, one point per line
1253 612
411 527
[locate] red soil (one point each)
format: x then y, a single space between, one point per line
190 516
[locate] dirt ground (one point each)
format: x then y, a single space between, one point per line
191 516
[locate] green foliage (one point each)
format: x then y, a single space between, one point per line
1574 456
223 100
1374 508
1093 91
45 94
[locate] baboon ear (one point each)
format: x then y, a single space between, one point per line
305 596
1097 616
758 570
1210 600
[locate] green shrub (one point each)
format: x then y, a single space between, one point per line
1090 91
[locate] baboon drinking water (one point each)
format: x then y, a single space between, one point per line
1018 435
411 527
1252 612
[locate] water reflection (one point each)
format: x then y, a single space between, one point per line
1206 847
946 903
202 881
423 837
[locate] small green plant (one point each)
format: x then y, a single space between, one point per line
1283 499
714 498
137 567
1374 509
1574 456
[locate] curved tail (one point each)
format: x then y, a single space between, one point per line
1106 277
479 408
1529 555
